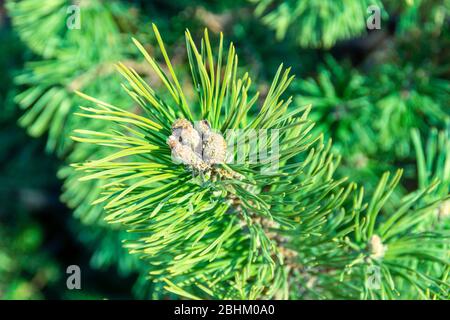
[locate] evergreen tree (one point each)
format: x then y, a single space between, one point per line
144 128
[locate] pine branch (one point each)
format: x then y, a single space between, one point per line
153 194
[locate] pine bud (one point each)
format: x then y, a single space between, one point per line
376 247
203 128
444 210
198 147
184 132
214 149
184 154
214 145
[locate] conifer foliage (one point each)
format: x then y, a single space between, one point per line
186 173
